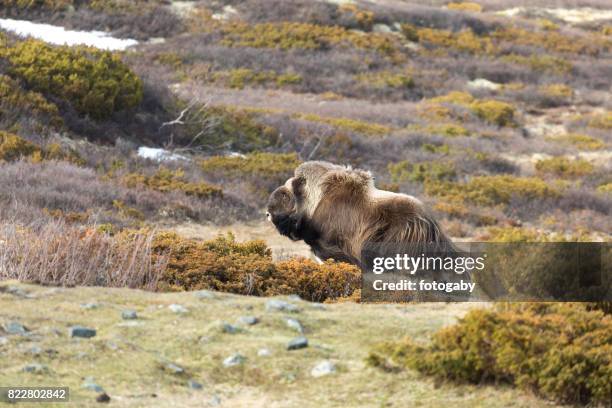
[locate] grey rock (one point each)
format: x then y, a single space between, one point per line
323 368
235 359
205 294
129 315
17 291
294 298
215 401
264 352
318 306
90 385
248 320
90 306
131 323
80 331
194 385
3 341
230 328
35 368
174 368
275 305
295 325
178 308
35 350
297 343
15 328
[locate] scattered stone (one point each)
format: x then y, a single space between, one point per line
194 385
90 385
80 331
281 306
295 325
230 328
294 298
35 350
35 368
16 291
382 28
103 398
234 360
15 328
215 401
297 343
129 315
481 83
323 368
264 352
174 368
131 323
319 306
205 294
3 341
178 308
90 306
248 320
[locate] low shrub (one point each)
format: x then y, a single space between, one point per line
582 141
564 167
447 129
541 63
13 147
605 188
290 35
255 164
420 172
562 351
95 82
465 6
464 41
601 121
354 125
386 79
17 103
491 190
494 112
241 77
247 268
165 180
557 91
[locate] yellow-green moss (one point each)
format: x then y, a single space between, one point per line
13 147
557 91
465 6
419 172
542 63
494 112
359 126
386 79
601 121
447 129
166 180
95 82
582 141
491 190
256 164
564 167
605 188
289 35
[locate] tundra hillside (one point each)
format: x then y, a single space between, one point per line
148 168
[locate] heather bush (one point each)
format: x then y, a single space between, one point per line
582 141
561 351
13 147
491 190
165 180
95 82
564 167
419 172
247 268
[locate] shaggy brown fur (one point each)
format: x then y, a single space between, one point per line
341 215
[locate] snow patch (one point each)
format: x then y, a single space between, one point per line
60 36
158 154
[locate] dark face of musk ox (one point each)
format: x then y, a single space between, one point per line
282 212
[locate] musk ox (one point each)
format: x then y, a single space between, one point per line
341 215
